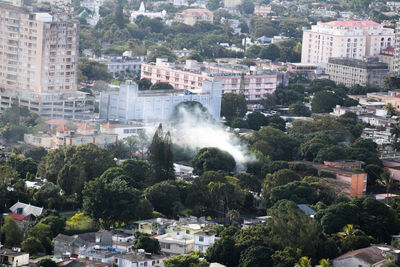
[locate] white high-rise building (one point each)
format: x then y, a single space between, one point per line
345 39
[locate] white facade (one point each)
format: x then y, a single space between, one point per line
142 12
131 104
203 240
350 39
176 243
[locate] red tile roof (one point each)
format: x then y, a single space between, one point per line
85 126
63 128
56 121
15 216
108 126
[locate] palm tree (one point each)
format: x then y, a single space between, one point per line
325 263
386 181
304 262
348 231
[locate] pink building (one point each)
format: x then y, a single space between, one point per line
345 39
254 83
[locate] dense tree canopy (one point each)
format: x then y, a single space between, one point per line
212 159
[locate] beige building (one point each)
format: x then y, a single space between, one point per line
13 257
346 39
38 51
192 15
349 72
263 11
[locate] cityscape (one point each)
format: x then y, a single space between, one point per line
199 133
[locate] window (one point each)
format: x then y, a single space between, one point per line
201 238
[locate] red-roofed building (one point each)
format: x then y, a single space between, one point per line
345 39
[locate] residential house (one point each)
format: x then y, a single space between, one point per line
13 257
67 246
192 15
153 226
203 240
176 242
26 209
374 256
138 259
24 214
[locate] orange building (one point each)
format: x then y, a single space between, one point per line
356 180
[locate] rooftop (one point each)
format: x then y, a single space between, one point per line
352 23
10 252
370 63
370 255
27 209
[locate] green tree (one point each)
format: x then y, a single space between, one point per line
161 157
304 262
160 52
101 199
224 251
161 86
253 51
144 84
182 261
256 256
247 7
144 241
144 210
32 245
46 263
213 4
233 106
286 258
36 153
212 159
162 196
274 143
256 120
299 109
12 234
325 101
93 70
281 177
294 229
386 181
271 52
119 15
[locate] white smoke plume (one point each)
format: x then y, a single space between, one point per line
196 131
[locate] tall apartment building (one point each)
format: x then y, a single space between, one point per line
348 71
346 39
396 57
254 83
39 59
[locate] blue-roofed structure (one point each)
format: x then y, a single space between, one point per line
306 209
264 39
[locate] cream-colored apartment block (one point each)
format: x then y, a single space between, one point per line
38 51
345 39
